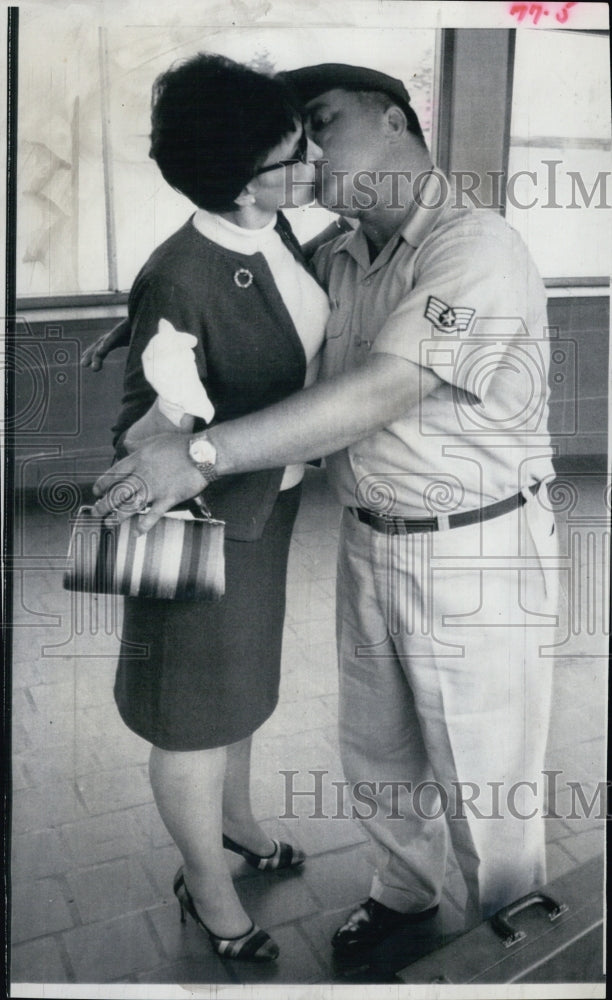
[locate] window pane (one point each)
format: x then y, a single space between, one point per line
564 143
61 222
571 66
568 228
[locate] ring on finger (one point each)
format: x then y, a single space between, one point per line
127 496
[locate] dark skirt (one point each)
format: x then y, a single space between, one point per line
194 675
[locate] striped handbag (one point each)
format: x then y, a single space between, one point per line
177 559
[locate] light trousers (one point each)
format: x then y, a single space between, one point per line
445 687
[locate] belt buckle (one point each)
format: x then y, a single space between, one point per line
414 526
392 522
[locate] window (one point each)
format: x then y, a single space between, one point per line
92 204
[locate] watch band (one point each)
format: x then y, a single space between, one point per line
203 455
208 471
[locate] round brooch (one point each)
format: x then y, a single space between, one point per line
243 277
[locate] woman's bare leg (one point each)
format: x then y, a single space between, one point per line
238 820
188 790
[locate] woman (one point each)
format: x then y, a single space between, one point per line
233 277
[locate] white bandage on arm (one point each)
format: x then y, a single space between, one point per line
169 366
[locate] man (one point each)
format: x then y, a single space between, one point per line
431 409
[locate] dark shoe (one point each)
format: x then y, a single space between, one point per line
283 855
254 946
371 923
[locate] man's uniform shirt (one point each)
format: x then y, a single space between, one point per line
454 290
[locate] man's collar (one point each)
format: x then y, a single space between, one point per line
433 200
344 241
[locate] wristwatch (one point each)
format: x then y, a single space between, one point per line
203 454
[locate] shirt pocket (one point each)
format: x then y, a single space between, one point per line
338 320
336 343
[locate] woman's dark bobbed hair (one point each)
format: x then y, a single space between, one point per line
213 122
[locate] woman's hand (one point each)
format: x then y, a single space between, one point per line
160 473
151 425
95 354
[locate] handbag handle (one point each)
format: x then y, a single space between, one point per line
202 506
203 509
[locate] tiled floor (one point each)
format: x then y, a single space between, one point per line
92 864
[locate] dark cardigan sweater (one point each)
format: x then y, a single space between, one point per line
248 355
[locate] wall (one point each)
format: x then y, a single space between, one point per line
578 414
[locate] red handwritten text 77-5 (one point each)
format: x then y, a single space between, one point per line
536 10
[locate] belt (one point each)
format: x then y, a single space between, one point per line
389 525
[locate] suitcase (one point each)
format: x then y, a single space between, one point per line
552 936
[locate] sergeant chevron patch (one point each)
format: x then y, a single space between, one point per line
448 319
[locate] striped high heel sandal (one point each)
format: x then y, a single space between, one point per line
283 855
254 946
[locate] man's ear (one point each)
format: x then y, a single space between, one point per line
395 121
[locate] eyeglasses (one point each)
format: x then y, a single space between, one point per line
301 156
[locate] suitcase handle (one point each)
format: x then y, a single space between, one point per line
501 921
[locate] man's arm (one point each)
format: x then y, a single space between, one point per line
324 418
312 423
94 355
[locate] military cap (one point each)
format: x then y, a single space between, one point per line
312 81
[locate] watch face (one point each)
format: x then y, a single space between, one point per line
202 451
